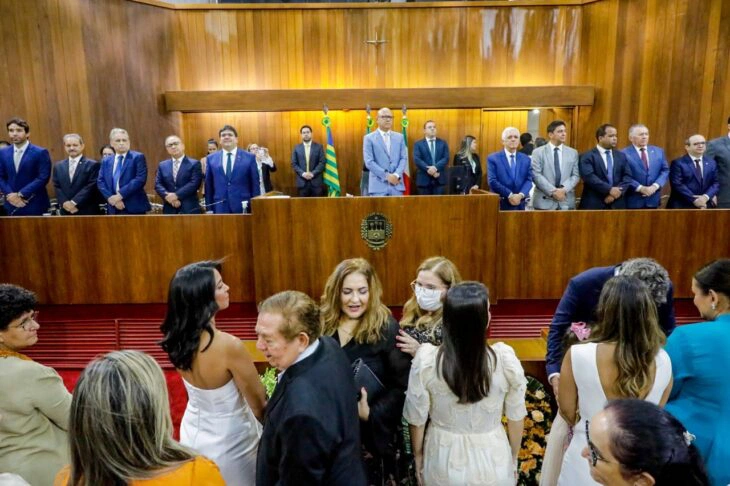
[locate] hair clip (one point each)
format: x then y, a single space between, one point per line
581 330
688 437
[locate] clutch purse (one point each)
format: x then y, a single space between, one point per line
364 377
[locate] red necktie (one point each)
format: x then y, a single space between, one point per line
644 159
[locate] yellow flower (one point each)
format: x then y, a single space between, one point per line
537 416
527 466
523 454
534 448
539 394
529 424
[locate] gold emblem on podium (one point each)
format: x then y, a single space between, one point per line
376 230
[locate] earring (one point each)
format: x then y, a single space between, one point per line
714 306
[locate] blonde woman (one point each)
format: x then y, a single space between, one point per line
468 158
354 315
422 313
121 432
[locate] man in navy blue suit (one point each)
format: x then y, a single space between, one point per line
431 156
509 172
580 300
232 177
605 172
693 177
75 178
649 170
24 172
122 177
178 179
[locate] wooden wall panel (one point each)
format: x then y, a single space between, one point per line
121 259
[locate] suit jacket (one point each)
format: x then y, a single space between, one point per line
422 158
579 303
528 149
503 182
719 150
543 175
380 163
189 177
224 194
658 173
686 185
462 177
595 179
82 190
316 164
311 427
266 176
30 180
131 183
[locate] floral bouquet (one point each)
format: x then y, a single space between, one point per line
269 381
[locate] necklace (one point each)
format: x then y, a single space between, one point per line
7 353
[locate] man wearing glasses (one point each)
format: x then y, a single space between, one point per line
693 177
178 179
386 155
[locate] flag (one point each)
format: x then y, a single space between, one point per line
407 171
331 175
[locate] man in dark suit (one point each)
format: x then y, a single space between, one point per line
527 145
232 177
311 427
178 179
123 176
719 150
308 162
24 172
693 177
649 170
75 178
509 172
605 172
580 300
431 156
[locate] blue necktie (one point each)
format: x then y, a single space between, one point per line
229 165
609 164
513 166
556 161
117 172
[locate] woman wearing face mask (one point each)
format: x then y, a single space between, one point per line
421 321
354 315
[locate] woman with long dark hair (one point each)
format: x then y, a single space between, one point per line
225 396
634 442
468 158
623 359
461 389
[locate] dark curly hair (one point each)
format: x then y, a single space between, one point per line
14 302
190 308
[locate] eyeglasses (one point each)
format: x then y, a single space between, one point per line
172 144
595 455
28 321
387 117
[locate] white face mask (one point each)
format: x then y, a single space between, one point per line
428 299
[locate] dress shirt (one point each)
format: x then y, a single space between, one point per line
648 161
428 144
510 157
602 151
73 165
307 153
224 159
386 139
117 160
18 154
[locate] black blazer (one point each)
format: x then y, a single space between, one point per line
467 176
266 176
311 430
595 179
82 190
316 164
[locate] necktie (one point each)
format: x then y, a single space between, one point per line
698 169
432 142
387 142
609 167
175 169
556 161
16 158
72 170
644 159
307 148
512 166
229 165
117 172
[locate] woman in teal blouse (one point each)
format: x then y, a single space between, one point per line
700 356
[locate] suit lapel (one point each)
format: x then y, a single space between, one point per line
601 163
505 162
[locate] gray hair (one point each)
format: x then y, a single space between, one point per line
633 128
651 274
116 131
73 135
509 130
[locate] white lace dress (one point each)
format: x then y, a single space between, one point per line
466 444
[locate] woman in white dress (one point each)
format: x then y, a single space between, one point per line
461 389
226 399
623 359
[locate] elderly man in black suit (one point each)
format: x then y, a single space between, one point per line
74 179
311 427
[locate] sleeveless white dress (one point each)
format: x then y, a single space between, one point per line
220 425
591 400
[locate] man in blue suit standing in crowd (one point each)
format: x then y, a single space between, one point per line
386 155
693 177
122 177
178 179
605 172
232 177
431 156
24 172
509 172
649 170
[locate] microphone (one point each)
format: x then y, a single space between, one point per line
12 213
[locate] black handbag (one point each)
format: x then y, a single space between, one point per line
366 378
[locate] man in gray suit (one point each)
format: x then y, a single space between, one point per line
719 149
555 171
386 156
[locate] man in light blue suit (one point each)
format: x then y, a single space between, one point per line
122 177
649 170
386 155
431 156
232 176
509 172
